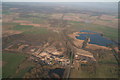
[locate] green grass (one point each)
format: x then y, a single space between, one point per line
108 62
106 71
1 66
74 21
37 31
106 67
6 12
102 71
22 72
22 27
11 62
37 20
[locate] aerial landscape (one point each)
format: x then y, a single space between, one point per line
60 40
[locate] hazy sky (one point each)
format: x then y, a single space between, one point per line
60 0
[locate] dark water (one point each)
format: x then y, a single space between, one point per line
95 38
58 71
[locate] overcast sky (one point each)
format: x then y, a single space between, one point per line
60 0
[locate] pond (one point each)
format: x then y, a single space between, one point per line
58 71
95 38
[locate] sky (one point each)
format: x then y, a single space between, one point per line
60 0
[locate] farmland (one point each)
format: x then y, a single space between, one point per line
22 27
17 69
106 67
37 31
11 61
40 41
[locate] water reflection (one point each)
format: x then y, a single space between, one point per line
95 38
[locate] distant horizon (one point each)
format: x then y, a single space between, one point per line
60 0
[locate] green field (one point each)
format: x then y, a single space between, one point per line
11 62
22 72
74 22
27 29
22 27
37 20
36 31
6 12
106 67
102 71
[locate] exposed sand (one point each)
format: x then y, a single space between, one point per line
79 42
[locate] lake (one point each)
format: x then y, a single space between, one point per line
95 38
58 71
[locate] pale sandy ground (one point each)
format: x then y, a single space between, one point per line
78 42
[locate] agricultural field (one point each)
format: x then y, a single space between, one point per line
22 27
37 31
11 61
107 67
45 40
